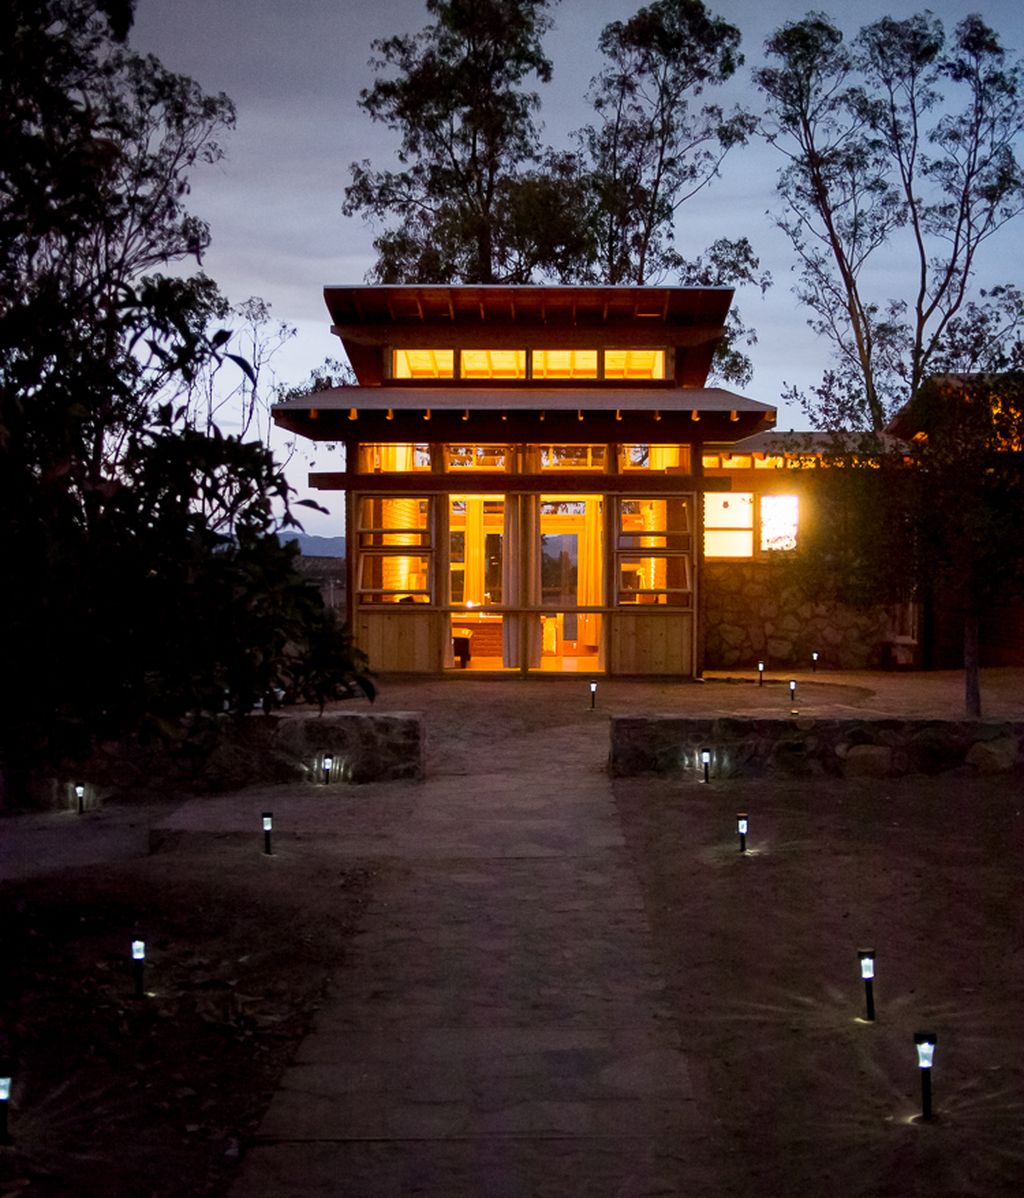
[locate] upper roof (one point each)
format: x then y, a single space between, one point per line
367 318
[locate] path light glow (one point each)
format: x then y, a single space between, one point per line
328 763
5 1099
705 760
742 823
593 695
139 966
268 827
925 1042
814 661
792 690
80 796
867 972
760 673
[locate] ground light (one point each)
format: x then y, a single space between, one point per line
867 972
328 763
268 827
5 1099
742 823
760 673
814 661
593 695
925 1042
792 690
139 966
705 760
80 796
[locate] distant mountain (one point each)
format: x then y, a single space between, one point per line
310 546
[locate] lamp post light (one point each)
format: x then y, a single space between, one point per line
705 760
792 691
814 661
268 827
80 796
760 673
742 823
867 972
328 764
593 695
5 1100
925 1042
139 966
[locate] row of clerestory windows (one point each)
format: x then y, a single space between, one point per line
495 365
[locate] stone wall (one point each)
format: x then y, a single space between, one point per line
847 748
752 613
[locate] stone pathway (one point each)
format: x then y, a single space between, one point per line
498 1029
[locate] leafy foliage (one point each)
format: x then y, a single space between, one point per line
904 142
144 574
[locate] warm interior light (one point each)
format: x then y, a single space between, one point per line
780 519
138 950
423 364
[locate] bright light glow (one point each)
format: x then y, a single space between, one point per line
268 821
760 667
593 688
705 757
729 524
79 792
814 655
634 363
328 761
780 517
565 363
5 1089
867 966
423 364
741 824
925 1042
492 363
138 950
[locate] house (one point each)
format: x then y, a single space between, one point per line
539 479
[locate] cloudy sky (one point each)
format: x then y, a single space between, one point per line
295 71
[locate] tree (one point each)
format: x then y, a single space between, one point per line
469 188
143 568
906 143
652 151
933 517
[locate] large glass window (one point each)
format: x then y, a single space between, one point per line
492 363
478 457
476 526
728 524
395 546
573 457
654 544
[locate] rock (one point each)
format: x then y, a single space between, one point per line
993 756
867 761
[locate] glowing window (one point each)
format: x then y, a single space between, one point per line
573 457
565 363
653 559
780 516
729 524
666 459
477 457
737 461
423 364
492 363
711 461
654 523
393 459
395 559
634 364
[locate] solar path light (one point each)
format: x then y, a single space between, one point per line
80 796
760 673
742 823
925 1042
867 972
814 661
328 764
792 690
705 760
268 827
593 695
139 966
5 1100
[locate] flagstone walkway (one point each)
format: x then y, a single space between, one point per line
498 1028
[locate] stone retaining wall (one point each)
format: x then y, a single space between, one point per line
739 747
751 613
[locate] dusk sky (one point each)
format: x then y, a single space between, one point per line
294 72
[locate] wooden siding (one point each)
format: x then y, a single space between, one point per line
401 640
651 643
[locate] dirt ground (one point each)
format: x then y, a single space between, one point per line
119 1098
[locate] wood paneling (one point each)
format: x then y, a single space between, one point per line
651 643
401 641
